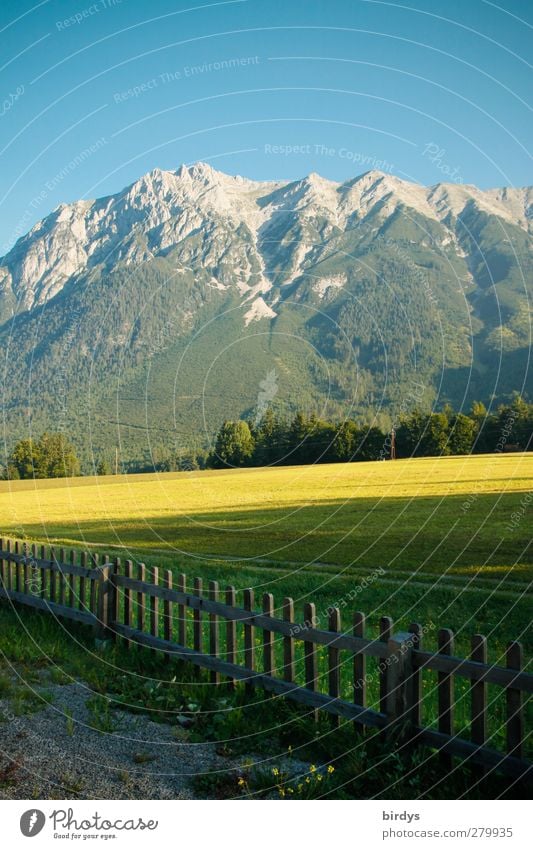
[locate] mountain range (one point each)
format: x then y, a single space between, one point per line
143 319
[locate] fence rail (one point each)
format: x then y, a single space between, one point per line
188 626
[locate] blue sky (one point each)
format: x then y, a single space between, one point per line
94 94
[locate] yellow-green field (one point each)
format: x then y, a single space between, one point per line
445 542
431 515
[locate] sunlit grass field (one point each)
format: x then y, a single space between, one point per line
431 514
445 542
452 535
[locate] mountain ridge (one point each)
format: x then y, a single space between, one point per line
158 197
173 298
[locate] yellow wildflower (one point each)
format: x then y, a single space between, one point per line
241 782
331 769
312 768
319 777
281 791
275 771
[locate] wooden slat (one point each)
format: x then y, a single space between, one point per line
44 572
35 572
71 580
197 636
464 668
167 609
289 670
3 567
114 601
154 606
61 576
128 607
310 655
231 633
92 584
249 645
45 563
141 598
268 636
214 647
334 659
104 601
301 632
445 689
514 709
414 686
48 606
482 755
259 679
9 574
26 586
52 577
18 568
82 602
385 633
479 693
359 662
182 612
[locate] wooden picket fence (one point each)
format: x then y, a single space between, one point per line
117 600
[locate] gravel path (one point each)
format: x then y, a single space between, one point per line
55 753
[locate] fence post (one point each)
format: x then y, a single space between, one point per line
385 633
288 642
334 669
231 634
104 602
214 642
359 666
399 675
249 636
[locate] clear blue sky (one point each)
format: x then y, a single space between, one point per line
270 89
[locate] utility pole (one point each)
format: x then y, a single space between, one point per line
393 444
116 460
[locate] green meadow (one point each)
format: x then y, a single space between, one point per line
450 538
440 541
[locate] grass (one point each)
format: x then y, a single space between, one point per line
425 540
279 744
427 515
441 541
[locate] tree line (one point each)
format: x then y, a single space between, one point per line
309 439
275 440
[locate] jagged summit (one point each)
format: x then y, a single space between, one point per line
162 209
186 287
